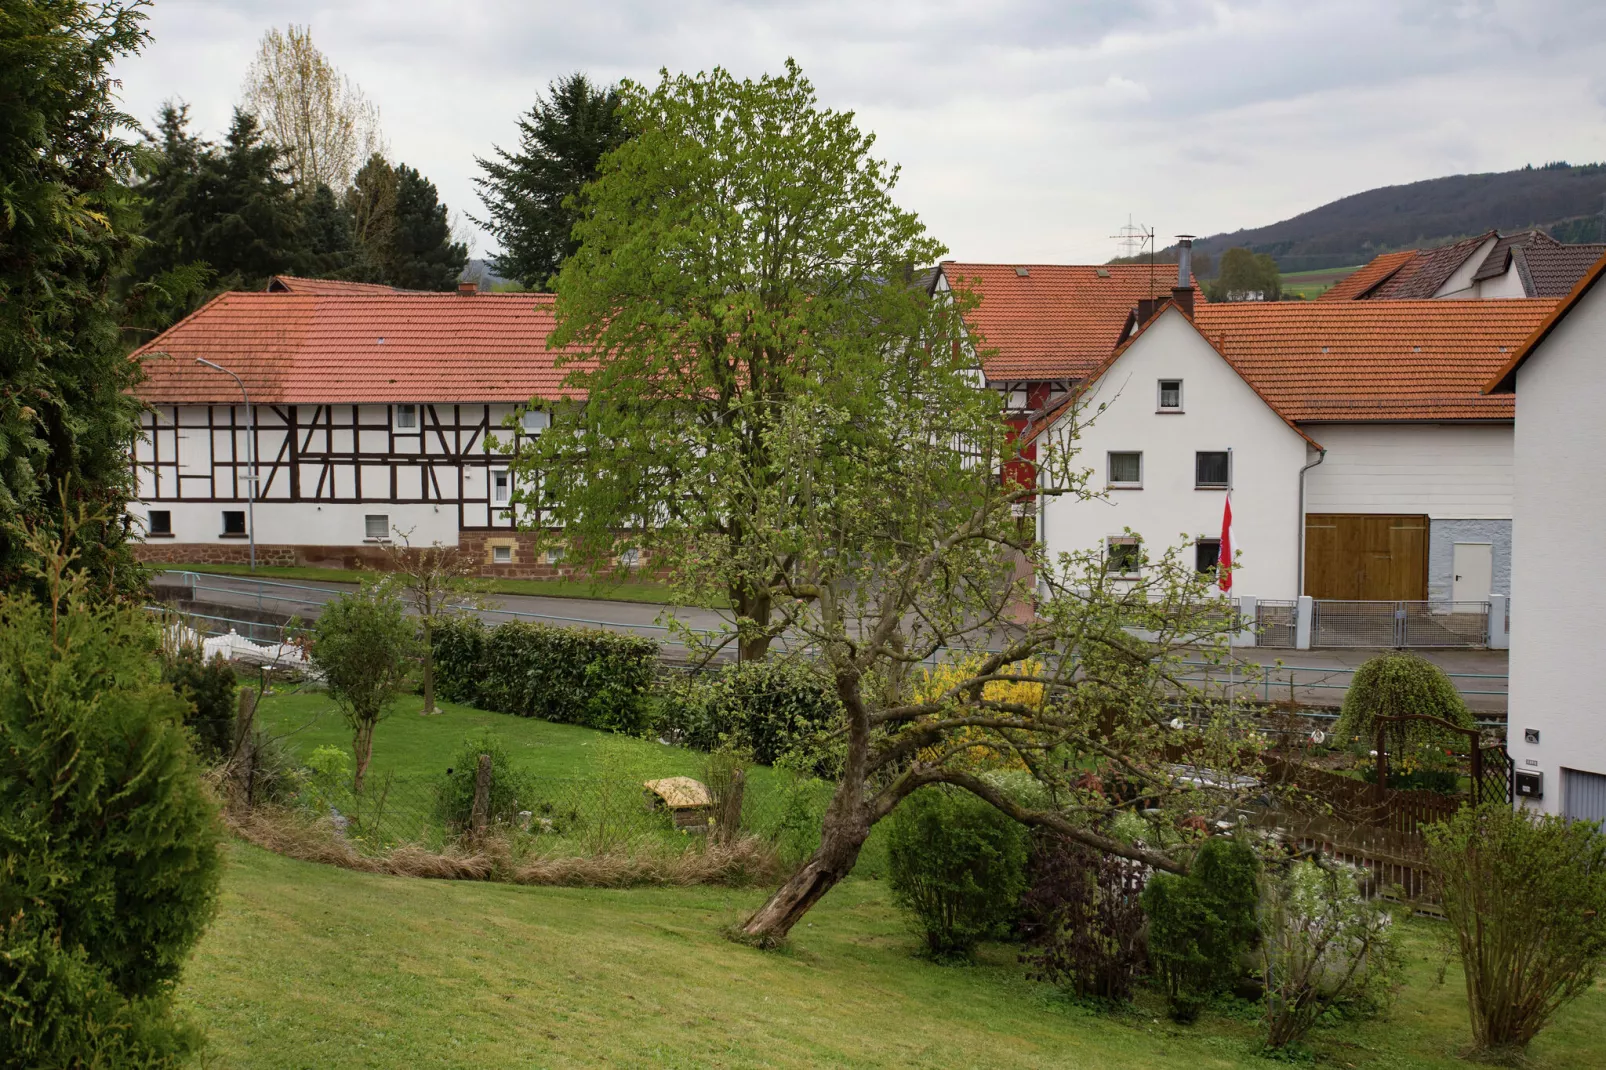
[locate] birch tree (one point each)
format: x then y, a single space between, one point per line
318 116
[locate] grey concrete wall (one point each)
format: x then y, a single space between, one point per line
1442 537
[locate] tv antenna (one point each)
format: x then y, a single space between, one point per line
1132 239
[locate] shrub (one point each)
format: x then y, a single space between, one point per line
109 856
1396 684
1324 949
512 789
770 709
1201 924
957 865
208 684
363 645
989 750
569 675
1083 918
1526 896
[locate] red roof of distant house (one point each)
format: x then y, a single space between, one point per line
1365 279
334 347
294 284
1056 321
1374 360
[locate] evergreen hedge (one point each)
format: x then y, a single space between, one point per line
568 675
769 709
1201 924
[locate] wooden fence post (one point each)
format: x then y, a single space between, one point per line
482 796
245 742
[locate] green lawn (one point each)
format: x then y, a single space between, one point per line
310 966
609 590
1310 284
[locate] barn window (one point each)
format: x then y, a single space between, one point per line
1212 470
234 522
1126 469
376 526
406 416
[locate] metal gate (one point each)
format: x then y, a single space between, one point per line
1275 623
1401 625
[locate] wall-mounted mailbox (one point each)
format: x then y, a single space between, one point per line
1530 785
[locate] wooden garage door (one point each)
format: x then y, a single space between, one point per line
1366 556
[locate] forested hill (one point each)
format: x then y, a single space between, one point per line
1565 200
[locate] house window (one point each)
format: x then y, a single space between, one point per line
406 416
1212 469
1207 555
502 555
534 421
1170 395
501 486
376 526
159 523
1126 469
234 523
1123 555
630 558
554 556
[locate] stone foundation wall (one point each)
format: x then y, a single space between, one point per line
524 562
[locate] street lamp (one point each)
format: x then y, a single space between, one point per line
251 460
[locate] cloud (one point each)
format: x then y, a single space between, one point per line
1027 130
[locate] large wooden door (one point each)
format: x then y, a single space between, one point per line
1366 556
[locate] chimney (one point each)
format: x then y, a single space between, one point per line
468 287
1182 292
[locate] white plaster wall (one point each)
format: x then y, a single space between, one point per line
1508 285
1558 589
1220 412
303 523
1448 471
1460 283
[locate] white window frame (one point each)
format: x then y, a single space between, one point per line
1159 396
1109 470
1112 541
502 554
505 498
534 421
407 417
368 527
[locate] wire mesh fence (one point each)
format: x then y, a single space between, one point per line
1400 625
1275 623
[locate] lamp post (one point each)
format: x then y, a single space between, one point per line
251 460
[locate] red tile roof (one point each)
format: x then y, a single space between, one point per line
1374 360
294 284
1057 321
299 348
1504 380
1363 280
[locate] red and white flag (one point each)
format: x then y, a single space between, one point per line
1224 562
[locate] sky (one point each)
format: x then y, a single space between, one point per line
1027 132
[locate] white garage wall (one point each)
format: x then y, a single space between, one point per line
1448 471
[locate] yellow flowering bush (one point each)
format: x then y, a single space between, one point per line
988 750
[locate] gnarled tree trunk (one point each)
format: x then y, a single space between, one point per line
841 838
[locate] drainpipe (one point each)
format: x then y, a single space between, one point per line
1322 456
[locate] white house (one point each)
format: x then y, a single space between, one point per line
372 411
1557 718
1367 464
1490 266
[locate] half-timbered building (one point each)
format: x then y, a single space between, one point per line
372 413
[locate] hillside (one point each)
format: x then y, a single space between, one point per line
1567 201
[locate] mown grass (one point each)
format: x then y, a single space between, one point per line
310 966
606 590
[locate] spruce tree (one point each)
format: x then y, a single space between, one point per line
422 255
244 219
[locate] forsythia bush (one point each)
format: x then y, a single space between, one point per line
987 751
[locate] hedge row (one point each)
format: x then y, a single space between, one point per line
570 675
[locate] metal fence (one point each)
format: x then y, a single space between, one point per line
1399 625
1276 623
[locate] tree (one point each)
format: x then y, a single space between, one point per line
778 416
363 644
317 116
422 254
370 205
434 579
67 226
109 844
1526 896
1246 276
531 195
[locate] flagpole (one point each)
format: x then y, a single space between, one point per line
1231 667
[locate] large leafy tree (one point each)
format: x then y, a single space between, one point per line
742 248
528 192
67 223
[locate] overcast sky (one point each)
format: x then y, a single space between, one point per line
1027 131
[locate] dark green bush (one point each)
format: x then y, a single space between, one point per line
767 708
1395 684
569 675
958 866
511 790
109 857
208 684
1200 925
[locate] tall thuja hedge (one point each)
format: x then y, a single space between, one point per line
570 675
108 842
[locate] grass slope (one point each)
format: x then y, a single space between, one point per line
605 590
311 966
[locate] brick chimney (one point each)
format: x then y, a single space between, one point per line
468 288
